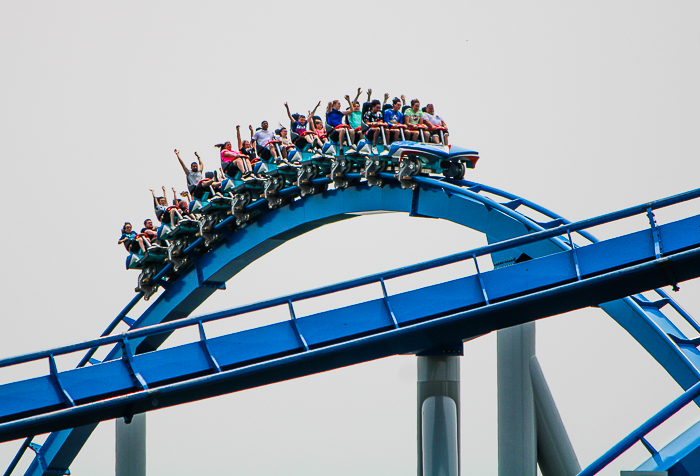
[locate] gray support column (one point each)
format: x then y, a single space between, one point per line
131 446
438 376
555 454
517 441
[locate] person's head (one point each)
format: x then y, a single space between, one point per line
302 119
126 228
430 109
415 105
194 166
225 145
283 132
355 106
396 104
182 205
335 105
264 125
318 124
162 201
375 105
148 223
246 145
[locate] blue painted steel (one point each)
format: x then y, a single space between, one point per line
504 223
669 410
607 277
681 456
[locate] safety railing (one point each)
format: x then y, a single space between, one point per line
638 435
563 230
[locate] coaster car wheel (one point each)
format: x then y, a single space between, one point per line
176 253
272 186
206 229
305 175
453 169
340 166
409 167
238 206
373 167
145 282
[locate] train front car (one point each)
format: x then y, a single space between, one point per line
417 158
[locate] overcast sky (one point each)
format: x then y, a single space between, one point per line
583 107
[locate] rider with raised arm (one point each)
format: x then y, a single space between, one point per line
164 213
317 127
299 127
334 119
413 118
394 118
194 174
355 114
374 120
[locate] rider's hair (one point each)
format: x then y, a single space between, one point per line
124 227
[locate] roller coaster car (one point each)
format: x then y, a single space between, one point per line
279 177
179 238
312 167
150 263
416 158
213 208
243 196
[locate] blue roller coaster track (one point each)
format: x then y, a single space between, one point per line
539 270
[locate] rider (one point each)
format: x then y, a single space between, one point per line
262 138
334 118
394 117
194 174
374 119
230 157
414 117
433 119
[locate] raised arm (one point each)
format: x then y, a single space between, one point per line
182 164
359 91
174 197
369 94
289 114
201 165
347 98
252 132
403 100
155 200
314 111
238 136
330 106
386 98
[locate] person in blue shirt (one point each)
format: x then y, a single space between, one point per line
334 118
394 118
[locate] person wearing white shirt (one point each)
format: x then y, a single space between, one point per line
435 120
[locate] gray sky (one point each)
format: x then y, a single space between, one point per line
582 107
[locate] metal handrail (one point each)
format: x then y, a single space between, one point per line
484 250
639 434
